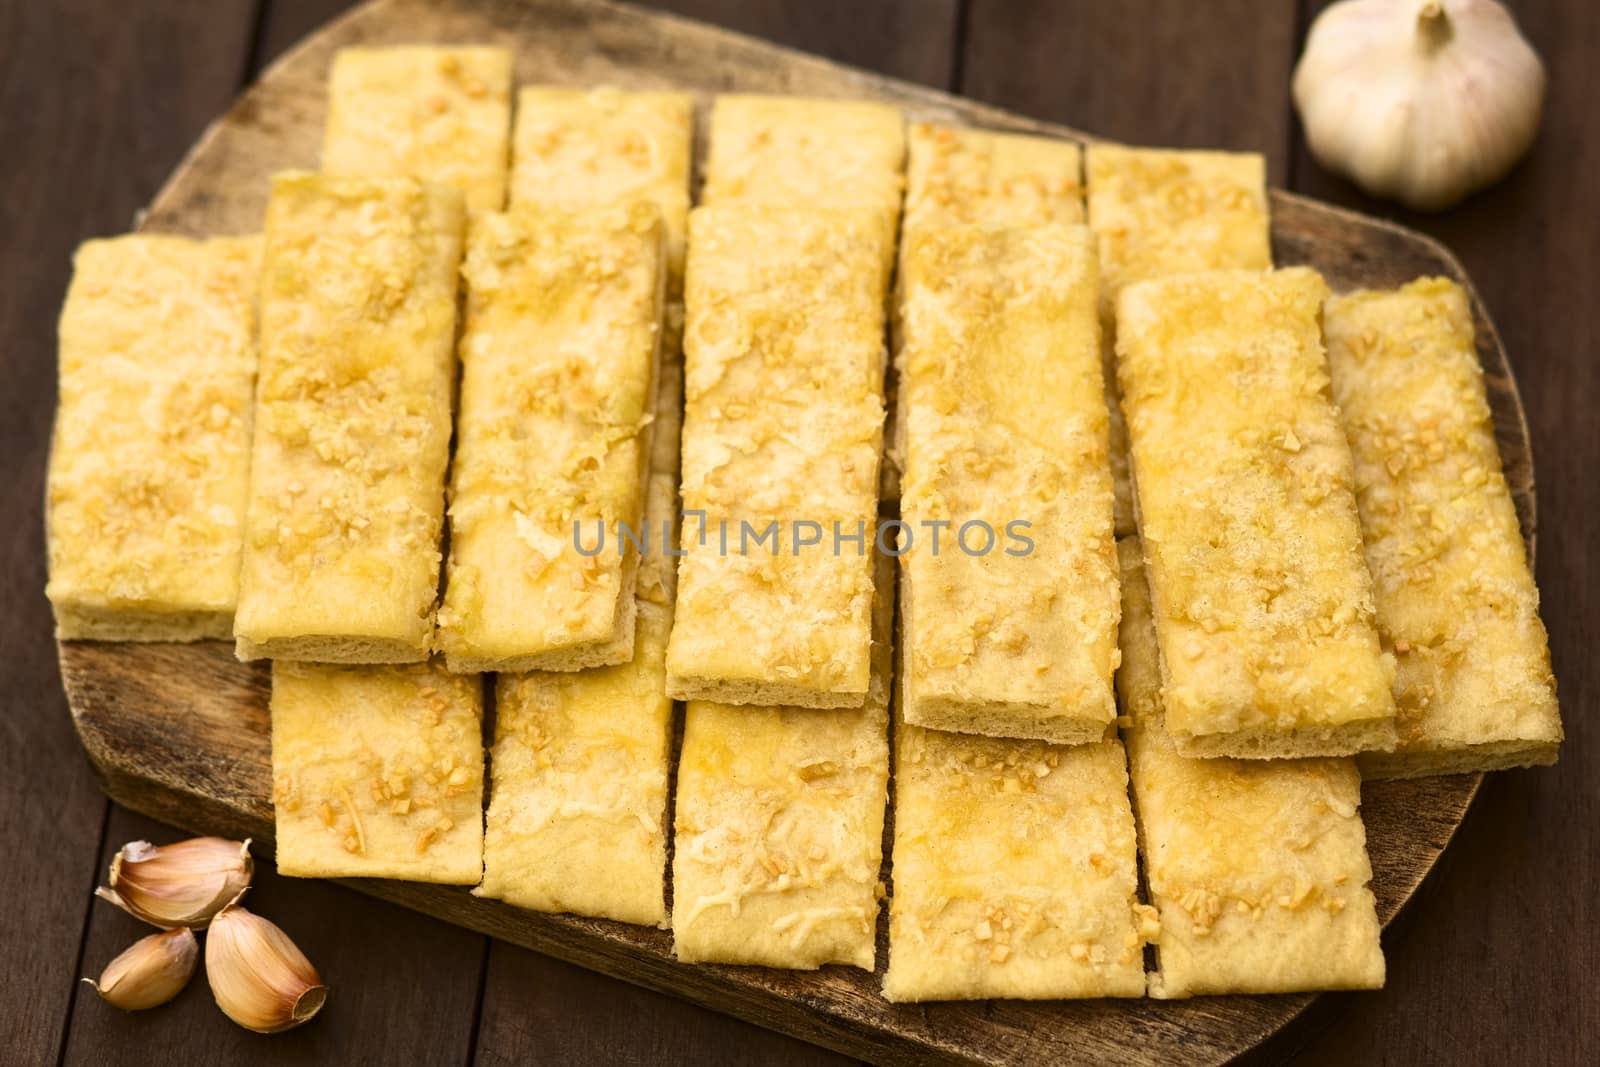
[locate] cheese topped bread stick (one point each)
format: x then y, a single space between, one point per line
1015 871
577 149
1263 603
783 425
150 467
966 177
559 354
1010 623
1168 211
779 826
792 151
1258 867
441 114
1172 211
352 427
1456 600
377 772
782 435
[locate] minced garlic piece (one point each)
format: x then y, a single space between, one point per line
377 772
1263 603
1456 600
960 177
1002 402
559 352
1167 211
579 149
778 835
440 114
150 466
1015 871
783 425
352 425
1258 868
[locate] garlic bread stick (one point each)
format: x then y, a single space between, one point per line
783 427
1244 482
1015 871
439 114
578 149
966 177
1168 211
1010 624
779 826
1456 601
1172 211
150 466
957 176
559 353
1258 868
352 425
793 151
377 772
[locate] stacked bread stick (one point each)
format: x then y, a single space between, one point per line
537 484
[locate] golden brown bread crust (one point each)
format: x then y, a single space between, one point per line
783 424
353 415
1456 600
438 114
377 772
559 353
1003 406
1247 514
149 468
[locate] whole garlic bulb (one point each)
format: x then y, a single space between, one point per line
1421 101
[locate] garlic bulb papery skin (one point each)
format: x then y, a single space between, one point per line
149 972
1420 101
182 884
259 978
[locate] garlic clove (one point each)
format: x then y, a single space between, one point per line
182 884
259 978
149 972
1421 101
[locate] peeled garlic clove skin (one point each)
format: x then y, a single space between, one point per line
1421 101
182 884
259 978
149 972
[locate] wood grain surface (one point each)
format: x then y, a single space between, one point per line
1497 960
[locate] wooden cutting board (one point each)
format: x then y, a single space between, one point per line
180 732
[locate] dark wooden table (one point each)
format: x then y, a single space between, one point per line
1497 960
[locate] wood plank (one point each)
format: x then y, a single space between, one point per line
1511 909
1196 75
82 81
402 988
181 730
